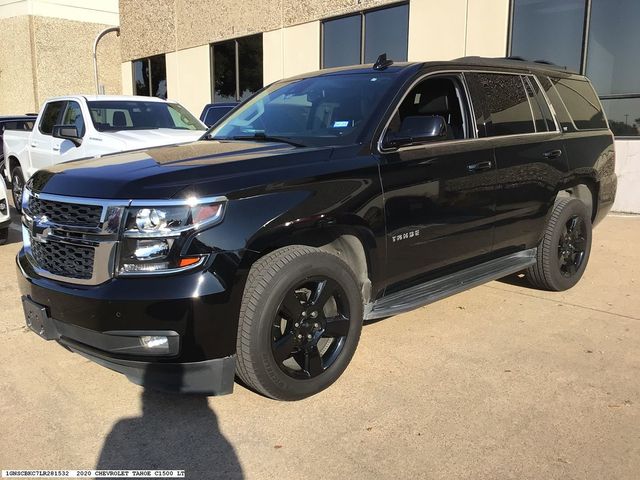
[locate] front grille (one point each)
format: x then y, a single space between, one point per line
65 213
72 261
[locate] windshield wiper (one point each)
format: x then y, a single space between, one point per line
262 137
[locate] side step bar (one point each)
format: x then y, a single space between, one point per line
429 292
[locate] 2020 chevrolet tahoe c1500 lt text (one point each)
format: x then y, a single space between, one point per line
324 200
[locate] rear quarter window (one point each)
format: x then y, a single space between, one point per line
582 103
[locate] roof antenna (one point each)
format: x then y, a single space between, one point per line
382 62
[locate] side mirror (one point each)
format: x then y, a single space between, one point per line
416 130
67 132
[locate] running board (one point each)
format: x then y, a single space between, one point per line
429 292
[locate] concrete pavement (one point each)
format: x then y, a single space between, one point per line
499 382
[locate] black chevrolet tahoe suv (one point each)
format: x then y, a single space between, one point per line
323 201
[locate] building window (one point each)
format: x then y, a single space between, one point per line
549 30
362 37
605 51
150 77
237 68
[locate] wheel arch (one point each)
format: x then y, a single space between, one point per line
585 190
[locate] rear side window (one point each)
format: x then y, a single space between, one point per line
582 103
506 104
51 116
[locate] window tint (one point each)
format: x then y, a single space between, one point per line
506 104
386 31
73 116
150 76
438 96
549 30
614 37
341 41
214 114
224 72
624 116
582 103
539 106
51 116
235 82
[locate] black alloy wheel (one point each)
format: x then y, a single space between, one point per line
572 246
310 327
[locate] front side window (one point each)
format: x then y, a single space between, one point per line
549 30
386 30
140 115
51 117
506 104
435 97
237 68
73 116
316 111
150 77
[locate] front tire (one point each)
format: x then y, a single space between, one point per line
17 187
563 252
300 322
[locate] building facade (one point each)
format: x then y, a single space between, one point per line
47 50
201 51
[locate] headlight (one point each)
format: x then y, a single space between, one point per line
154 230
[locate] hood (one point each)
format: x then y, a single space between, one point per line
136 139
203 168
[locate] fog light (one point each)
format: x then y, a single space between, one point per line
157 343
3 207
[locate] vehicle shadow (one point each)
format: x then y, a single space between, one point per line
517 280
174 432
15 236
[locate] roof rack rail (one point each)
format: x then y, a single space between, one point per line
543 62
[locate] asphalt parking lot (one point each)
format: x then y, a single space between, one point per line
499 382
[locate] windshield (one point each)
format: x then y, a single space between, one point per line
140 115
317 111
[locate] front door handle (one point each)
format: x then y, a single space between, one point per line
551 154
478 167
56 149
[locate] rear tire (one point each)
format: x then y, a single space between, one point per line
300 322
17 187
564 250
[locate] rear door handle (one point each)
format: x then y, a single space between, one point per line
551 154
478 167
34 144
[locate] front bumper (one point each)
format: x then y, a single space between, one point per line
104 322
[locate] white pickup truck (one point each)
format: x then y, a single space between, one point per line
69 128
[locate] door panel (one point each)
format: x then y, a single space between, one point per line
439 212
41 141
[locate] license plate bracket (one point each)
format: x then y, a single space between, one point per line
37 319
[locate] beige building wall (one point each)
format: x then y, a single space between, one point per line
17 87
189 77
127 78
47 50
291 51
457 28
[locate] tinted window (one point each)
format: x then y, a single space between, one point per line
614 38
249 65
233 82
341 41
386 31
549 30
326 110
214 114
582 103
140 115
624 116
224 71
150 77
51 116
539 106
73 116
506 104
